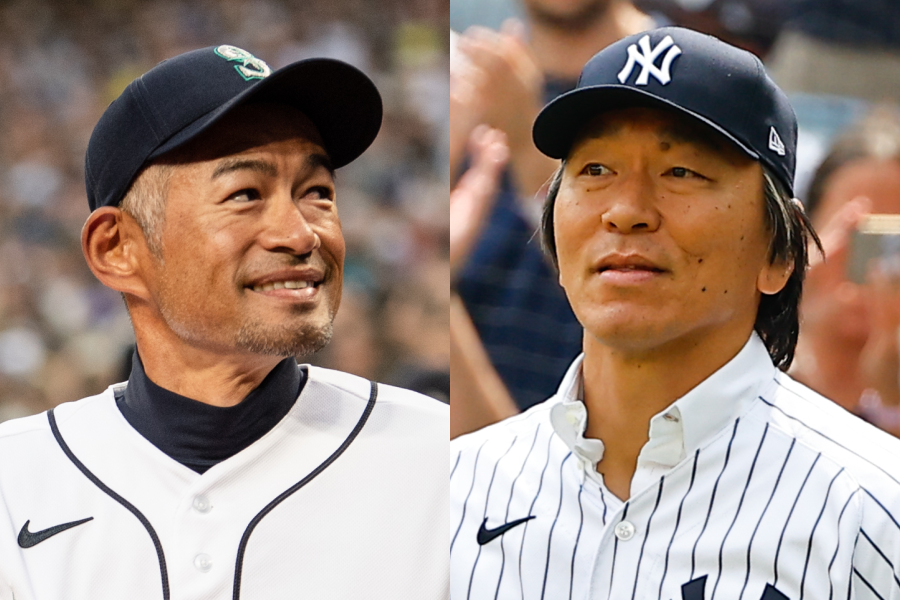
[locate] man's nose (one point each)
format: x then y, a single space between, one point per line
286 229
633 208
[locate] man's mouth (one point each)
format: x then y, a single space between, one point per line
285 281
630 268
632 262
283 285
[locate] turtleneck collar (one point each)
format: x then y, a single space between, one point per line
200 435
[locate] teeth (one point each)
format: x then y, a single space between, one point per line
281 285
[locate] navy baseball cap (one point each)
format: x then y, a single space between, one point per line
697 75
183 96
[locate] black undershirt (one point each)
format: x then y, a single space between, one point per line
200 435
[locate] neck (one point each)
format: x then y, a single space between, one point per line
209 375
623 390
562 51
821 362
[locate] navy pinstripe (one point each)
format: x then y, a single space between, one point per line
712 498
555 519
785 484
512 491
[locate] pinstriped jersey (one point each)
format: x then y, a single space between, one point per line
786 496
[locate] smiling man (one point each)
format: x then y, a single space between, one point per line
677 461
222 468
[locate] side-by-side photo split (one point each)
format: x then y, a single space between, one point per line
449 300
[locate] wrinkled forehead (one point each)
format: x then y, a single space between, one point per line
248 127
671 127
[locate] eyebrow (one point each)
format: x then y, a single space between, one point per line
230 165
319 160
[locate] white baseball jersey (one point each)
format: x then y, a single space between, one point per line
340 500
751 487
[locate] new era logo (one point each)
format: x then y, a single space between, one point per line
641 53
775 143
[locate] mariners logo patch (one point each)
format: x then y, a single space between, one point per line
641 53
250 67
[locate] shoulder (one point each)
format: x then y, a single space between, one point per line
36 428
401 404
867 454
30 451
504 432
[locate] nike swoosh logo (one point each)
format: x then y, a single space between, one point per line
485 535
27 539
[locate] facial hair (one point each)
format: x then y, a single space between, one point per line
283 340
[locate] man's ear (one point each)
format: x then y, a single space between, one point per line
773 277
116 251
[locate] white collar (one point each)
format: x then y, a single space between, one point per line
684 426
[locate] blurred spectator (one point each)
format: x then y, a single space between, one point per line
840 47
849 331
749 24
62 334
504 78
478 395
486 13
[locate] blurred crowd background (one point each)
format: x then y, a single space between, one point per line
512 332
62 334
509 333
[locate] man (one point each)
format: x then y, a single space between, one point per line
222 469
507 285
676 461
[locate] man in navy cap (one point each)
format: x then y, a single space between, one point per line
222 468
677 460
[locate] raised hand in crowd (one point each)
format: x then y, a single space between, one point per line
472 198
873 306
478 396
504 80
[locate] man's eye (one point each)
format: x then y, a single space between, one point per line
684 173
595 170
319 192
245 196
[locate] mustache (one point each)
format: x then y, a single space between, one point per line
284 262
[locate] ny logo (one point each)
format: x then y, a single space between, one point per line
647 59
250 67
695 590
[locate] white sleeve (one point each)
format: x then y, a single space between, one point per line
876 557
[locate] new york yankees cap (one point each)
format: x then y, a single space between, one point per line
693 73
183 96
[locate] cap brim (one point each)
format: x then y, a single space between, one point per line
339 99
558 125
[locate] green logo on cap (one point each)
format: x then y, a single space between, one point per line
250 67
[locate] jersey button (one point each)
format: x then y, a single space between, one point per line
203 562
201 504
624 531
